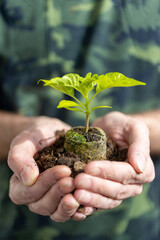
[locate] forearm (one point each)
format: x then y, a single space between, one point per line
10 125
152 120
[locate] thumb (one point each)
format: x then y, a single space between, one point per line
23 165
137 159
139 147
29 174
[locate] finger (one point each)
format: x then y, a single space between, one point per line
20 157
66 209
107 188
21 194
147 176
121 172
137 135
95 200
23 164
79 216
50 201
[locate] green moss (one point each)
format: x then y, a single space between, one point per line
74 136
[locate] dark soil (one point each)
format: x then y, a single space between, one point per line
91 135
56 155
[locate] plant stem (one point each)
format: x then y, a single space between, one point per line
87 114
82 104
93 97
87 123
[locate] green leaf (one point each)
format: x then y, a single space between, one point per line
67 84
87 85
75 109
94 108
115 79
88 75
101 107
70 105
66 104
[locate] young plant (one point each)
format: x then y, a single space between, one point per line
71 82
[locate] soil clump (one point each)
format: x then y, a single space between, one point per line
56 155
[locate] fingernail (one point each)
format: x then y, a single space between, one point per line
65 172
83 217
94 171
84 183
84 197
67 206
80 216
141 162
28 175
88 211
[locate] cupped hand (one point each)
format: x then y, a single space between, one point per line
104 184
48 193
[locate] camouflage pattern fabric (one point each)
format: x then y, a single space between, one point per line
46 38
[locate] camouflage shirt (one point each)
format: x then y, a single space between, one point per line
46 38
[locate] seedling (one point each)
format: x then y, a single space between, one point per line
83 144
72 82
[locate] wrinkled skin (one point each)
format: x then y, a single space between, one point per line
103 185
